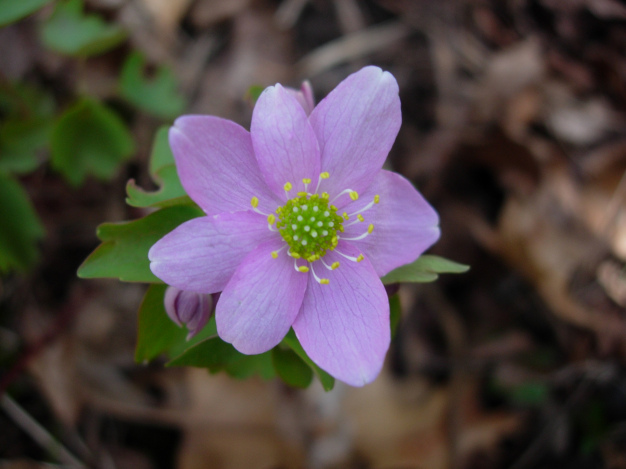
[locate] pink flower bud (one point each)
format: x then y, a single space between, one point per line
304 96
188 308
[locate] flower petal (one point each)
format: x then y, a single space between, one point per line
344 326
284 142
201 255
405 225
216 165
261 300
356 125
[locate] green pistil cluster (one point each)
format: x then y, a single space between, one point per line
309 225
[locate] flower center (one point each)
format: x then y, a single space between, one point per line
309 225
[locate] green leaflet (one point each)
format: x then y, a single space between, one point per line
425 269
123 253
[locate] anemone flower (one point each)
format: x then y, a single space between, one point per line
301 222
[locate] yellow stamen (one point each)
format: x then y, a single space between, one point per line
275 254
295 255
325 175
302 194
271 219
376 198
370 228
324 281
306 180
345 215
334 265
354 195
287 186
360 258
325 195
304 269
254 202
360 217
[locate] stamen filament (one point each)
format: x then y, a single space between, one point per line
359 258
368 232
333 266
275 253
255 203
287 188
321 281
303 268
354 195
324 175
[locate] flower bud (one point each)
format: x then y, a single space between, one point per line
188 308
304 96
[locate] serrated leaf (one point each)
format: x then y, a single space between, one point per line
216 355
328 382
87 139
71 32
123 253
163 172
425 269
20 228
291 368
14 10
158 95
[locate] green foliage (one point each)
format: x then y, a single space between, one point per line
253 93
425 269
20 227
25 130
87 139
216 355
158 95
395 313
163 172
123 253
71 32
14 10
291 368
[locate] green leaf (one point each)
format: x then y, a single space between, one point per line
395 313
20 228
13 10
158 95
425 269
328 382
253 93
87 139
216 355
71 32
291 368
22 143
123 253
163 172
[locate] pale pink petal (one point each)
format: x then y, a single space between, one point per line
405 225
201 255
344 326
356 125
261 300
216 165
284 142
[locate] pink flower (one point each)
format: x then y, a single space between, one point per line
188 308
301 222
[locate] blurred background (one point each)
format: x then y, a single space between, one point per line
513 128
